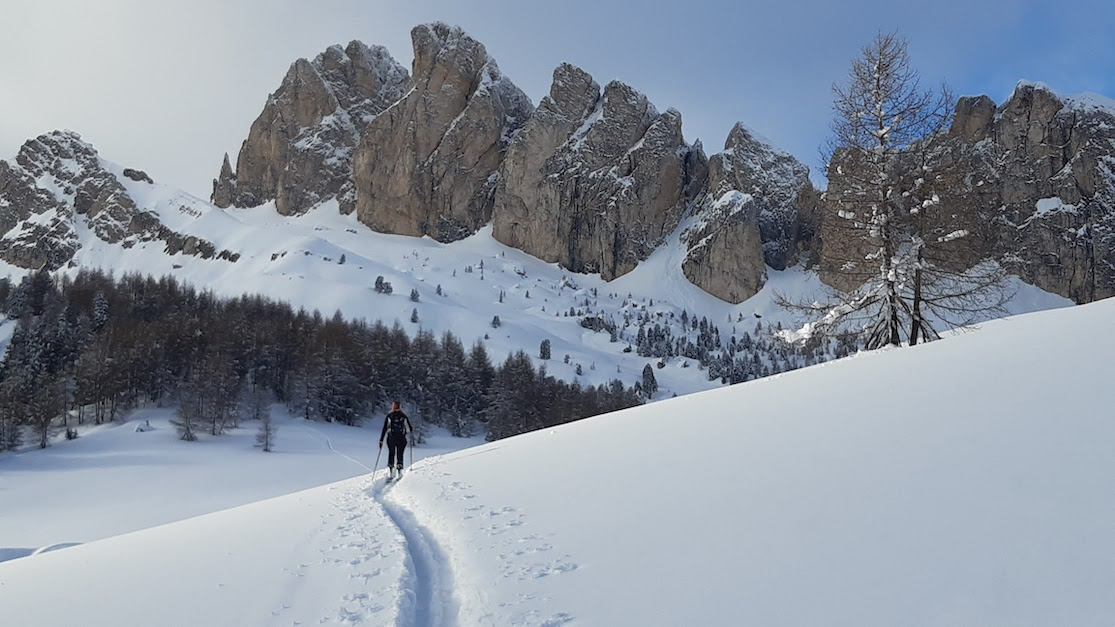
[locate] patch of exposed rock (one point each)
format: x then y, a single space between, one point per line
58 182
299 150
597 178
428 164
760 210
1056 179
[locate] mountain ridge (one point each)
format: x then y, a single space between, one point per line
597 179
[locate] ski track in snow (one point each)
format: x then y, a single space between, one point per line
429 600
329 443
428 585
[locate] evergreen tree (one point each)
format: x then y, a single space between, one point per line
100 310
481 375
453 387
511 409
650 384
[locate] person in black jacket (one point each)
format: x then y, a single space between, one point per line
396 427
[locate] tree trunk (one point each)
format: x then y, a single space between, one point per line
915 311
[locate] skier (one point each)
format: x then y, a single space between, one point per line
396 426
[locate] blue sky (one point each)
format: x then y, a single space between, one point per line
170 86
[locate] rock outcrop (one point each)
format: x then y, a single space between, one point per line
428 164
597 178
1056 181
58 187
760 210
594 179
299 150
1033 183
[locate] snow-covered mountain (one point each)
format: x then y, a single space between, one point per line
323 259
965 481
596 179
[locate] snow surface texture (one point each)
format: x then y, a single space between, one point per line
961 482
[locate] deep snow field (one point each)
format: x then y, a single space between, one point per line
963 482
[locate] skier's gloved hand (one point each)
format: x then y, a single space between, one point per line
381 443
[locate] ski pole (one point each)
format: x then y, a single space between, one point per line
411 450
377 460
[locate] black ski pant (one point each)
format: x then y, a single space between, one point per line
396 442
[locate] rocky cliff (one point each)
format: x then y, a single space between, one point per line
58 186
428 165
596 179
1050 163
760 210
299 150
1032 181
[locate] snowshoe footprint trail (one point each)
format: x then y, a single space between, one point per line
429 601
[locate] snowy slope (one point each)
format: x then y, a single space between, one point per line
118 478
962 482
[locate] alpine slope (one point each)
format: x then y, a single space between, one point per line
963 482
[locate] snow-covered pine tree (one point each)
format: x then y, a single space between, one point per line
100 310
650 384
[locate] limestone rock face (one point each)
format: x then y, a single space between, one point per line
1033 182
1057 182
429 164
759 211
597 178
299 150
973 118
224 186
57 184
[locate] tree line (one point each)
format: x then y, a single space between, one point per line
90 347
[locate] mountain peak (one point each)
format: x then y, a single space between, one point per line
428 166
299 150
